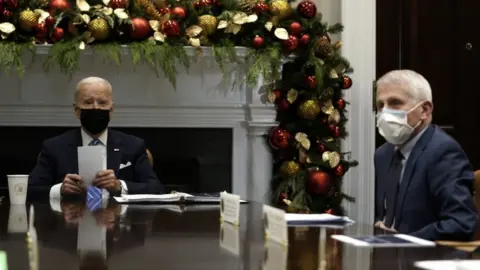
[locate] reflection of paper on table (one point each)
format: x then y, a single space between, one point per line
387 241
449 265
275 256
90 162
229 238
91 237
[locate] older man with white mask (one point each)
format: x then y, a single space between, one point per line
424 180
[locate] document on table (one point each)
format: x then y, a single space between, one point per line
394 240
90 162
3 260
449 265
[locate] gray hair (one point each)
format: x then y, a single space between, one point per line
90 81
417 86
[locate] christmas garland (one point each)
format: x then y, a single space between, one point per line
307 90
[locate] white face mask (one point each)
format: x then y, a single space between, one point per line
393 125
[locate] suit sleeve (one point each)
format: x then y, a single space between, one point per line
451 184
42 178
145 182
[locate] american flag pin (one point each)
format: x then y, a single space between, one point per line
116 149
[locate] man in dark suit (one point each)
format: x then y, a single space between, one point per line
125 163
424 180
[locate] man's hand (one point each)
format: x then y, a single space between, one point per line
106 179
381 225
72 212
72 185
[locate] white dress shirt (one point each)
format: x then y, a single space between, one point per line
55 191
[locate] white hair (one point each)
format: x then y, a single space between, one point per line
417 86
90 81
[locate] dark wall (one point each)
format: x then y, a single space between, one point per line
185 159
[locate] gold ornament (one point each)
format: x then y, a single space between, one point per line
28 19
208 24
149 7
323 48
327 107
99 28
309 109
280 9
289 168
333 158
334 117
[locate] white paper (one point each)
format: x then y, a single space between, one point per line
449 265
172 197
230 208
91 236
90 162
275 225
385 241
312 219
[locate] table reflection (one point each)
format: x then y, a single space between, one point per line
155 236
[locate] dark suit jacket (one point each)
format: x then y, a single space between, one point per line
58 157
435 197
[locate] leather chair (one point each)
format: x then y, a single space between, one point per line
150 157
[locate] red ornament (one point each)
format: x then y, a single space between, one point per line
260 8
331 127
347 82
339 170
50 22
295 28
279 138
311 81
284 196
164 11
304 39
330 211
283 105
277 93
58 5
340 104
202 3
171 28
321 148
337 132
179 12
57 34
291 43
307 9
41 30
117 4
140 29
6 15
318 182
10 4
258 42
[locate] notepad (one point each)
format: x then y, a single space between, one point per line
394 240
315 219
449 265
171 198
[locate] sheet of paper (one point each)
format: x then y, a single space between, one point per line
90 162
315 219
275 225
3 260
230 238
91 236
394 240
449 265
230 208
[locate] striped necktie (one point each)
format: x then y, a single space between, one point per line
94 194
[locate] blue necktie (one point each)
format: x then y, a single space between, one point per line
94 194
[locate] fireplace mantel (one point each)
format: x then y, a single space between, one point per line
144 100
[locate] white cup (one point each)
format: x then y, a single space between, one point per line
17 188
17 219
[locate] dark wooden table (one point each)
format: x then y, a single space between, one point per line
146 237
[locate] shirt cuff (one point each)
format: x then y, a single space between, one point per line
124 187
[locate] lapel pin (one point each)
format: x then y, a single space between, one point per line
116 149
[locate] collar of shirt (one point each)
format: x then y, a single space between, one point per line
86 139
407 148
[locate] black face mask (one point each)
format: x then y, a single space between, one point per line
94 120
